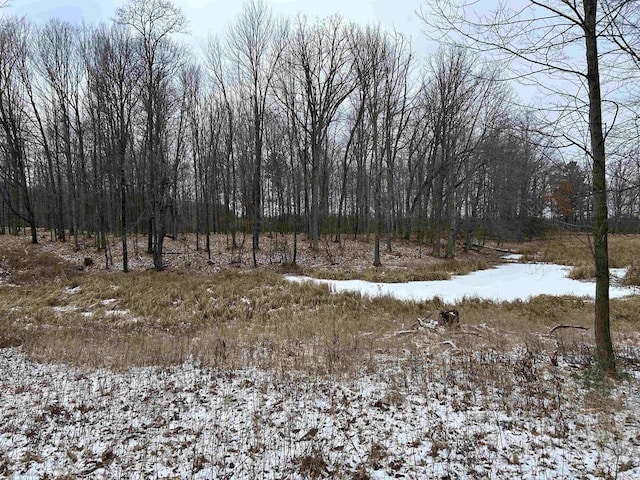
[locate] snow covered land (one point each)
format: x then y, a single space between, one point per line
451 415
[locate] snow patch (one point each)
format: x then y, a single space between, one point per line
514 257
504 283
117 313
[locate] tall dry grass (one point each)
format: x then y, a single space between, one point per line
577 250
236 319
437 270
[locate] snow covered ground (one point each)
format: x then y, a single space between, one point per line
446 415
508 282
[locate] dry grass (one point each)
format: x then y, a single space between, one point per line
632 276
237 318
24 263
438 270
576 250
232 318
583 272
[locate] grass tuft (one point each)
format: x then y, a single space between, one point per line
583 272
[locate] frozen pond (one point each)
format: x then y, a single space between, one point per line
504 283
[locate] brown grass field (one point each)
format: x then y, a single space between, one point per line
225 313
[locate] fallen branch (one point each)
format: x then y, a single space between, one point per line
558 327
406 332
461 332
423 323
497 249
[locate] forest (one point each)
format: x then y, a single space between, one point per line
321 127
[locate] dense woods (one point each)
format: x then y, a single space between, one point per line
288 125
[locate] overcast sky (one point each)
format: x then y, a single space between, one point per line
215 15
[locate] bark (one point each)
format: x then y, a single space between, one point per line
604 347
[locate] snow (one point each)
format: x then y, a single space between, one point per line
504 283
117 313
64 309
513 257
424 416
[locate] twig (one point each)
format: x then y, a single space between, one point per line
558 327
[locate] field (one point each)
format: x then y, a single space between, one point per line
213 369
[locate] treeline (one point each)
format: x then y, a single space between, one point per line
319 127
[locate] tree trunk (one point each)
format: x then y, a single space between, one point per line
123 214
604 347
315 192
257 183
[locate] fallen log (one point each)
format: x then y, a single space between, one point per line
497 249
559 327
449 318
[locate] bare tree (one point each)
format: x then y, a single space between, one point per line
191 84
320 61
114 73
220 74
154 21
541 38
13 121
58 62
255 44
382 64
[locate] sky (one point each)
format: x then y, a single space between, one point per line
214 16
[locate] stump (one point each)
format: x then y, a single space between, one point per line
449 318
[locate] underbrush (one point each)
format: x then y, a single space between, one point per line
452 411
29 264
259 377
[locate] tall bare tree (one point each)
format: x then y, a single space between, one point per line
154 21
320 60
16 181
59 62
115 72
382 63
254 46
